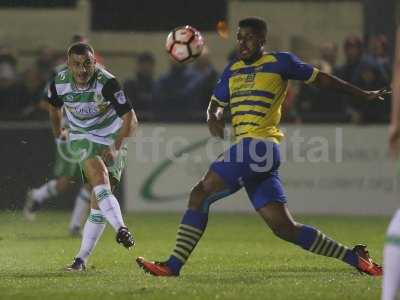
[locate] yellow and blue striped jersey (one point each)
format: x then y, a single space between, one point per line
255 92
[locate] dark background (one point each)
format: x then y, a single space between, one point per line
27 158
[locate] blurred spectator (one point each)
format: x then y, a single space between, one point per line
12 98
378 50
8 57
183 93
329 52
316 105
357 70
169 94
139 88
34 86
202 82
353 51
46 62
370 77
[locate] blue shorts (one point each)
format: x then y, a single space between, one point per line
252 164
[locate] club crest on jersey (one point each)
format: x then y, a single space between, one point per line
120 96
98 98
250 77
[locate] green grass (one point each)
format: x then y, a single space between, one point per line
238 258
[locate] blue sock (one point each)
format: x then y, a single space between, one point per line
189 233
306 237
315 241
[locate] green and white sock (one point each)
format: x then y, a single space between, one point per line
81 207
109 206
92 232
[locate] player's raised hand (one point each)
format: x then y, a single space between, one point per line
378 95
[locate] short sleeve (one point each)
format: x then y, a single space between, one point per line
221 90
52 96
296 69
113 92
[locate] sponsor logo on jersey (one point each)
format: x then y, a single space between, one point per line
87 109
120 96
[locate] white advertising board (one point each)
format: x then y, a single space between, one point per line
326 169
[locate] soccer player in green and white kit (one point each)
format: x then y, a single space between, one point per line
100 119
66 171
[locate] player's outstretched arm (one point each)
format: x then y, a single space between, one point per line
327 81
215 119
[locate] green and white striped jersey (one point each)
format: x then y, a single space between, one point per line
93 113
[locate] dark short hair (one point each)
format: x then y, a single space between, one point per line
257 24
80 49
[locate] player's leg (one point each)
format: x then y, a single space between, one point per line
92 231
97 175
193 224
35 198
279 219
194 221
81 205
391 263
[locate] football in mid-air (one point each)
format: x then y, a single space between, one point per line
184 43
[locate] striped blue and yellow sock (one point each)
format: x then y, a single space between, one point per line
315 241
190 231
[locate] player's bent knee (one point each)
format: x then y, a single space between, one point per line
204 194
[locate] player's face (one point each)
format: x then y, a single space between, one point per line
248 43
82 67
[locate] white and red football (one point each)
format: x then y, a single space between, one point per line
184 44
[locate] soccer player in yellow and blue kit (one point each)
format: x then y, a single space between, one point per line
254 87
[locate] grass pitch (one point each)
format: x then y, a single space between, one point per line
238 258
